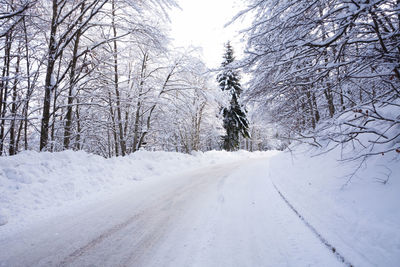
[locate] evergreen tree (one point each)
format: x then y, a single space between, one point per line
235 121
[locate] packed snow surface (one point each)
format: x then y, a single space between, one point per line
204 209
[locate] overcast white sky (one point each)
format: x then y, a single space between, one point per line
201 23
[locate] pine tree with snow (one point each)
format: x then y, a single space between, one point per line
235 121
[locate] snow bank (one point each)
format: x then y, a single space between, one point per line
361 219
31 182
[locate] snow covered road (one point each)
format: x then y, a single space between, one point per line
224 215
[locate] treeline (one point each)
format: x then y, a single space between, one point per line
328 70
100 76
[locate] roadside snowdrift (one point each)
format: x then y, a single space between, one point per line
361 219
31 182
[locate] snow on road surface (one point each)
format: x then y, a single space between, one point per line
224 215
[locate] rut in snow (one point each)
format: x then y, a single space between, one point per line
312 228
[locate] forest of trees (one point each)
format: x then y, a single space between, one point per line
327 71
102 76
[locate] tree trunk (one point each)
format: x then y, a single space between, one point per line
311 107
113 128
139 104
329 99
12 147
116 85
4 88
71 91
78 128
49 81
24 123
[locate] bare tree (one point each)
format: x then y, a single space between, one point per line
327 70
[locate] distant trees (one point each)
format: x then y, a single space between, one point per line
18 72
234 115
192 110
328 70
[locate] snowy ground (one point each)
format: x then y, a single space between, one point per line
206 209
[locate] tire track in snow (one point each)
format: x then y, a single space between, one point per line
312 228
146 213
82 250
155 216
